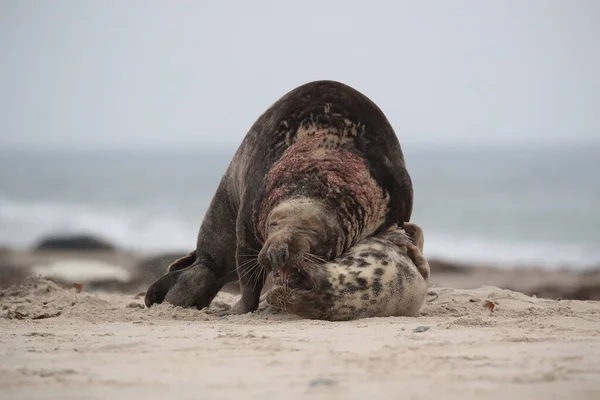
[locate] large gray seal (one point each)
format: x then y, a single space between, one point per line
320 170
383 275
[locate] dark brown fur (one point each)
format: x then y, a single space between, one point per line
323 141
338 176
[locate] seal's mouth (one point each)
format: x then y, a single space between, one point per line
292 278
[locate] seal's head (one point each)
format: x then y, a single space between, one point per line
298 231
383 275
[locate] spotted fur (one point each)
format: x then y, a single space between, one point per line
383 275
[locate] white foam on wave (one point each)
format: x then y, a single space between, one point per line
504 253
82 271
22 224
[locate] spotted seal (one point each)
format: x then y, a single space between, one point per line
380 276
320 170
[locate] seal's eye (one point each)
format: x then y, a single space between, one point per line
310 231
293 278
273 225
299 280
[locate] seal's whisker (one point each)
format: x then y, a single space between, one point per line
246 269
307 264
281 302
249 260
249 269
247 273
314 258
250 265
286 286
285 301
257 275
303 260
318 258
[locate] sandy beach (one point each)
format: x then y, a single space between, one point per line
56 343
292 133
484 332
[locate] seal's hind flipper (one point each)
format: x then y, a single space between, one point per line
415 232
192 286
415 249
419 260
182 262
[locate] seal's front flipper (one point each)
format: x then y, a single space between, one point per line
192 286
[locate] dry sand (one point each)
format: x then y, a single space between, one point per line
107 346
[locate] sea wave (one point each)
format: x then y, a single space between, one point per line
141 229
465 249
148 230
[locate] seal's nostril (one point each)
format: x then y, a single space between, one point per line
284 254
278 256
272 255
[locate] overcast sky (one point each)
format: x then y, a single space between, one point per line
157 73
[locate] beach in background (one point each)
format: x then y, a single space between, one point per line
118 120
531 206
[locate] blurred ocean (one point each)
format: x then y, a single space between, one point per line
526 206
